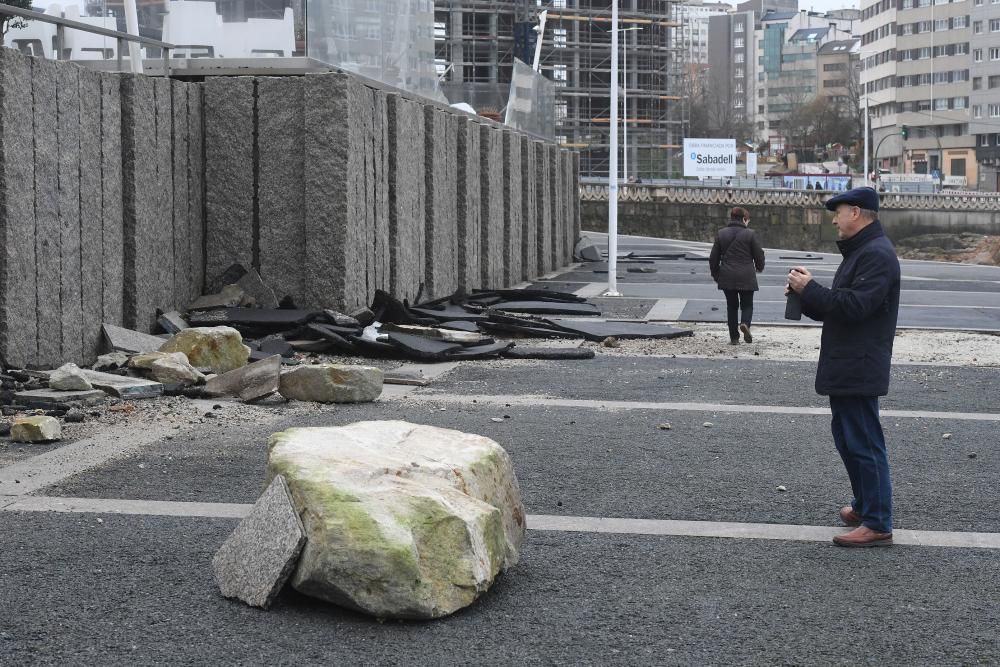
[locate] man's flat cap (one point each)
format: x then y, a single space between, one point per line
862 197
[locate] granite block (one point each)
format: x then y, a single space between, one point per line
513 222
251 382
543 201
326 160
529 236
571 198
161 270
18 306
441 230
281 188
491 178
357 258
254 563
229 177
196 192
379 189
470 212
555 201
407 193
576 197
91 226
112 212
48 233
68 137
180 219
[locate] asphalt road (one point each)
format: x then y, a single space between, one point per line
83 588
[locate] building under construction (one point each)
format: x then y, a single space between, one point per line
478 40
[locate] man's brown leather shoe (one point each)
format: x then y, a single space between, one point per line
863 536
849 516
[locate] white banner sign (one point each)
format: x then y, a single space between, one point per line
715 158
751 164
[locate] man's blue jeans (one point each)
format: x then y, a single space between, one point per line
857 433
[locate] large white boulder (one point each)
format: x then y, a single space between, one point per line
220 349
35 429
401 520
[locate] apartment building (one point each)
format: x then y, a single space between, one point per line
692 35
984 98
838 70
916 57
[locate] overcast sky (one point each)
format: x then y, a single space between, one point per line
820 5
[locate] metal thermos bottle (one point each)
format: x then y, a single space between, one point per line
793 306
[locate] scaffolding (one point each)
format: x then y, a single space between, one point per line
477 42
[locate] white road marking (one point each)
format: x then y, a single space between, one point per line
666 310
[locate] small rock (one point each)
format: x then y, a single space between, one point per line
782 489
363 316
220 349
75 416
972 455
174 371
496 419
610 341
35 429
665 426
332 383
69 377
708 424
145 360
946 436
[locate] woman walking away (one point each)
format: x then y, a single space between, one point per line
735 261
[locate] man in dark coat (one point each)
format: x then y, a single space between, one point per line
859 324
734 263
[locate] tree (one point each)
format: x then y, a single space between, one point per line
717 112
7 22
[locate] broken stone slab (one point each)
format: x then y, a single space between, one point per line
341 320
332 383
125 340
446 335
311 345
220 349
641 269
252 382
363 316
35 429
172 322
111 361
68 377
405 377
49 396
431 514
124 386
586 250
230 295
175 372
254 563
255 288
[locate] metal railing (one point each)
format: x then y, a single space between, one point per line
61 25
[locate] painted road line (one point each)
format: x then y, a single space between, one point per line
666 310
549 401
575 524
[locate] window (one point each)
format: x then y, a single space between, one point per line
979 3
977 27
977 83
994 53
760 108
738 27
994 25
906 29
941 24
960 103
960 22
941 104
738 74
559 38
994 110
738 103
739 58
977 55
738 43
977 110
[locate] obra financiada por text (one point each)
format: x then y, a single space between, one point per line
714 159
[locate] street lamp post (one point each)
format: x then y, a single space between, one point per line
613 162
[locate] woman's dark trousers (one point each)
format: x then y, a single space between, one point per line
738 302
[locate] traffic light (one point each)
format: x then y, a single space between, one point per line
904 132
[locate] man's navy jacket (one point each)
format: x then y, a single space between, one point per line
859 316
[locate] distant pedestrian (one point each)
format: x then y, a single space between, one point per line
734 262
859 315
809 186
